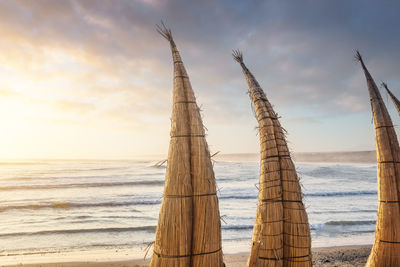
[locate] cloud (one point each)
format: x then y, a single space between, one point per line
103 62
300 52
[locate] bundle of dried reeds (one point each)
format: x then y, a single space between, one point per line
281 235
386 249
396 102
189 227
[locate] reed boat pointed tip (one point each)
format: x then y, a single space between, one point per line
358 56
165 32
237 55
395 100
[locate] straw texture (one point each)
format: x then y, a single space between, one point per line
189 227
386 249
281 234
396 102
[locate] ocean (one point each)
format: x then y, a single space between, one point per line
64 205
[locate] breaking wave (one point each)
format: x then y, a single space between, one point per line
80 231
67 205
58 186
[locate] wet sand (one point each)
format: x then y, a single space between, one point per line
331 256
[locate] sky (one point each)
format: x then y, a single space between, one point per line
93 79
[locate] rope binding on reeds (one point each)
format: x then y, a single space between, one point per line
187 255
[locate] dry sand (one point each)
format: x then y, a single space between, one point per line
332 256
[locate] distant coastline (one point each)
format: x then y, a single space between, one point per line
340 157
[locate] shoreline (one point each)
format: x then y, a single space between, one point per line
355 255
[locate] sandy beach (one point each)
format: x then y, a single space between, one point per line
331 256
